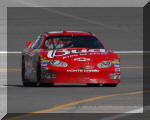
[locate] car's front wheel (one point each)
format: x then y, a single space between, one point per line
24 80
38 74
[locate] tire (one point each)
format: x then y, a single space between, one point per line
24 81
38 74
110 85
92 85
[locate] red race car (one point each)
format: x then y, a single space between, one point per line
69 57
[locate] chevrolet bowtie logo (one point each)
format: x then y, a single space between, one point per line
82 59
82 67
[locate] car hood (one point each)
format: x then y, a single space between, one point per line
78 55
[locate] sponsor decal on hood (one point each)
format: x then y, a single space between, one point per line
63 52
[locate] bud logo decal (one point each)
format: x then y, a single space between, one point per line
63 52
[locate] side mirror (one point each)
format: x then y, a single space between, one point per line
28 43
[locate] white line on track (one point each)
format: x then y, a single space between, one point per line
117 117
140 110
130 52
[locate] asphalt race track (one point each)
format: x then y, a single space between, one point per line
28 99
119 29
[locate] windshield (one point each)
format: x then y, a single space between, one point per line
72 41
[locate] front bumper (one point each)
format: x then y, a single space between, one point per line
80 76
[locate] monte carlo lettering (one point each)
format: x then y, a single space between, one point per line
63 52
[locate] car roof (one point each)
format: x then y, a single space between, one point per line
64 32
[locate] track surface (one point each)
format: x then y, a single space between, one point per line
23 100
118 28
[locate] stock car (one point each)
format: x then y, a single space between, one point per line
69 57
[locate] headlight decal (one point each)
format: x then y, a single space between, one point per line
104 64
58 63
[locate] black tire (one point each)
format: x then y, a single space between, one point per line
38 74
110 85
24 81
92 85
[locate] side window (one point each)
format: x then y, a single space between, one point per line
38 42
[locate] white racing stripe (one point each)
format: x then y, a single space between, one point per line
122 52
